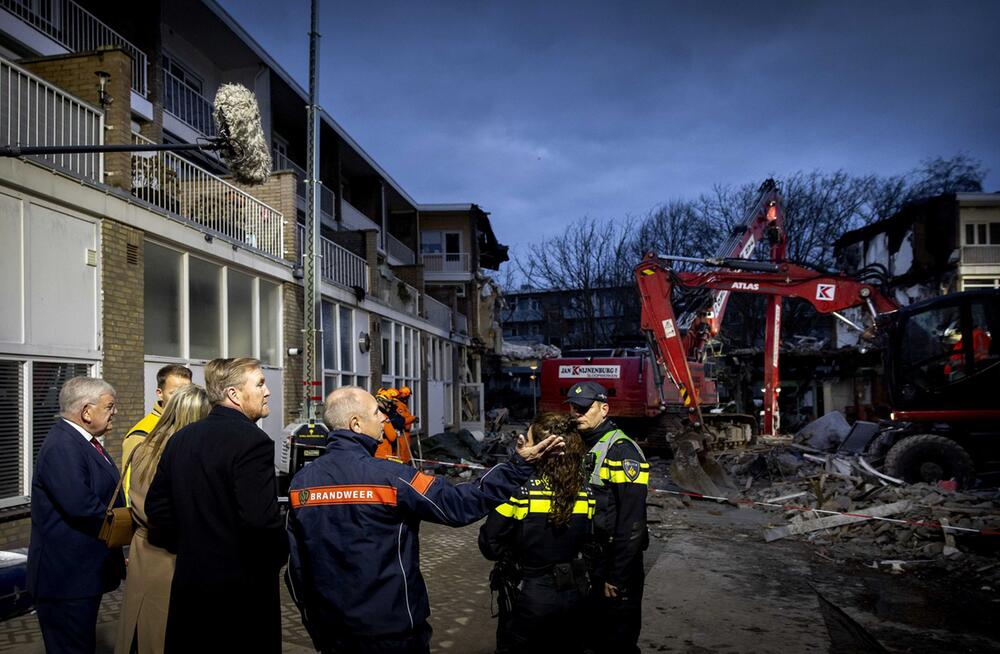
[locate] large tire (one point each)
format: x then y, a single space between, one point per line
930 458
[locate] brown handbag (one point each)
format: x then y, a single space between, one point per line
118 526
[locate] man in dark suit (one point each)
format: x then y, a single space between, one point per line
69 568
213 501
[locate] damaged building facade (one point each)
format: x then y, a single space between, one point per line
935 246
117 264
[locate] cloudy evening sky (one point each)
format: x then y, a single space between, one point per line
542 112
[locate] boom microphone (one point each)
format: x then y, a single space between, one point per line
241 138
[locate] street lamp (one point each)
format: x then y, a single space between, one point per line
534 386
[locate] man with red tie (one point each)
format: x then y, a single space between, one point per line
69 567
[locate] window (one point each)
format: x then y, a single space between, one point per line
162 290
29 391
400 360
239 313
338 348
982 233
219 311
431 242
182 73
970 283
206 321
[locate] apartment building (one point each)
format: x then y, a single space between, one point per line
117 264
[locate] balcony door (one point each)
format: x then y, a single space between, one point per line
453 252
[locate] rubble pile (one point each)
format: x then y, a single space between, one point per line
835 503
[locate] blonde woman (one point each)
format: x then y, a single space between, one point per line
143 621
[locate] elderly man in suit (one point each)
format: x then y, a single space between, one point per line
213 501
69 568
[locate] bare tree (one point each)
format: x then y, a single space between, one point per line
586 262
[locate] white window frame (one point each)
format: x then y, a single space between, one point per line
185 310
985 224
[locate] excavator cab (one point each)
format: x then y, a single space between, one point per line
944 353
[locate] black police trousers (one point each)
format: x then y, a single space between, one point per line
546 617
615 622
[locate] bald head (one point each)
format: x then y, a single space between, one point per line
352 408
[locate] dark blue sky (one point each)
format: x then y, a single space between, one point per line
542 112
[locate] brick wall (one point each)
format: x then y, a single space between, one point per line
15 533
122 324
75 74
293 297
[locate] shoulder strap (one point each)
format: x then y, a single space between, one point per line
600 452
121 477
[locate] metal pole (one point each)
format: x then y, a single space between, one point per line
312 335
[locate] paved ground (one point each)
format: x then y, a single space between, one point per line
713 585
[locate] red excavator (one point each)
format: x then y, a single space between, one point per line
939 355
639 395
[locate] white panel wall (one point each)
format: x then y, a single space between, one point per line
62 288
11 270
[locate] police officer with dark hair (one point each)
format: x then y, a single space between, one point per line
619 477
536 537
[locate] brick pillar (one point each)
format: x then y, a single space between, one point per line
75 74
122 320
291 375
371 256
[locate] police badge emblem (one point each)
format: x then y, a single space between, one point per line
631 469
303 496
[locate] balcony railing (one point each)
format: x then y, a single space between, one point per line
398 294
77 30
342 266
400 250
438 313
33 112
187 105
980 254
338 264
446 262
354 219
174 184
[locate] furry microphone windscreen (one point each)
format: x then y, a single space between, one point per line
237 118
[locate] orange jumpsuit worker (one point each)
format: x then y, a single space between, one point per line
396 444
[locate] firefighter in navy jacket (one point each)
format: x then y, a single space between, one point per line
352 528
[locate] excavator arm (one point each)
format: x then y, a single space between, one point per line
827 293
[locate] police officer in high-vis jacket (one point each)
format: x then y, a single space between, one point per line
354 566
619 478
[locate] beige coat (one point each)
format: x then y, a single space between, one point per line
150 571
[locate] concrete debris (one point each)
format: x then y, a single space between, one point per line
825 434
836 521
955 529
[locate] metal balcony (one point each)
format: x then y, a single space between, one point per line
438 313
187 105
34 112
446 262
77 30
174 184
338 264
